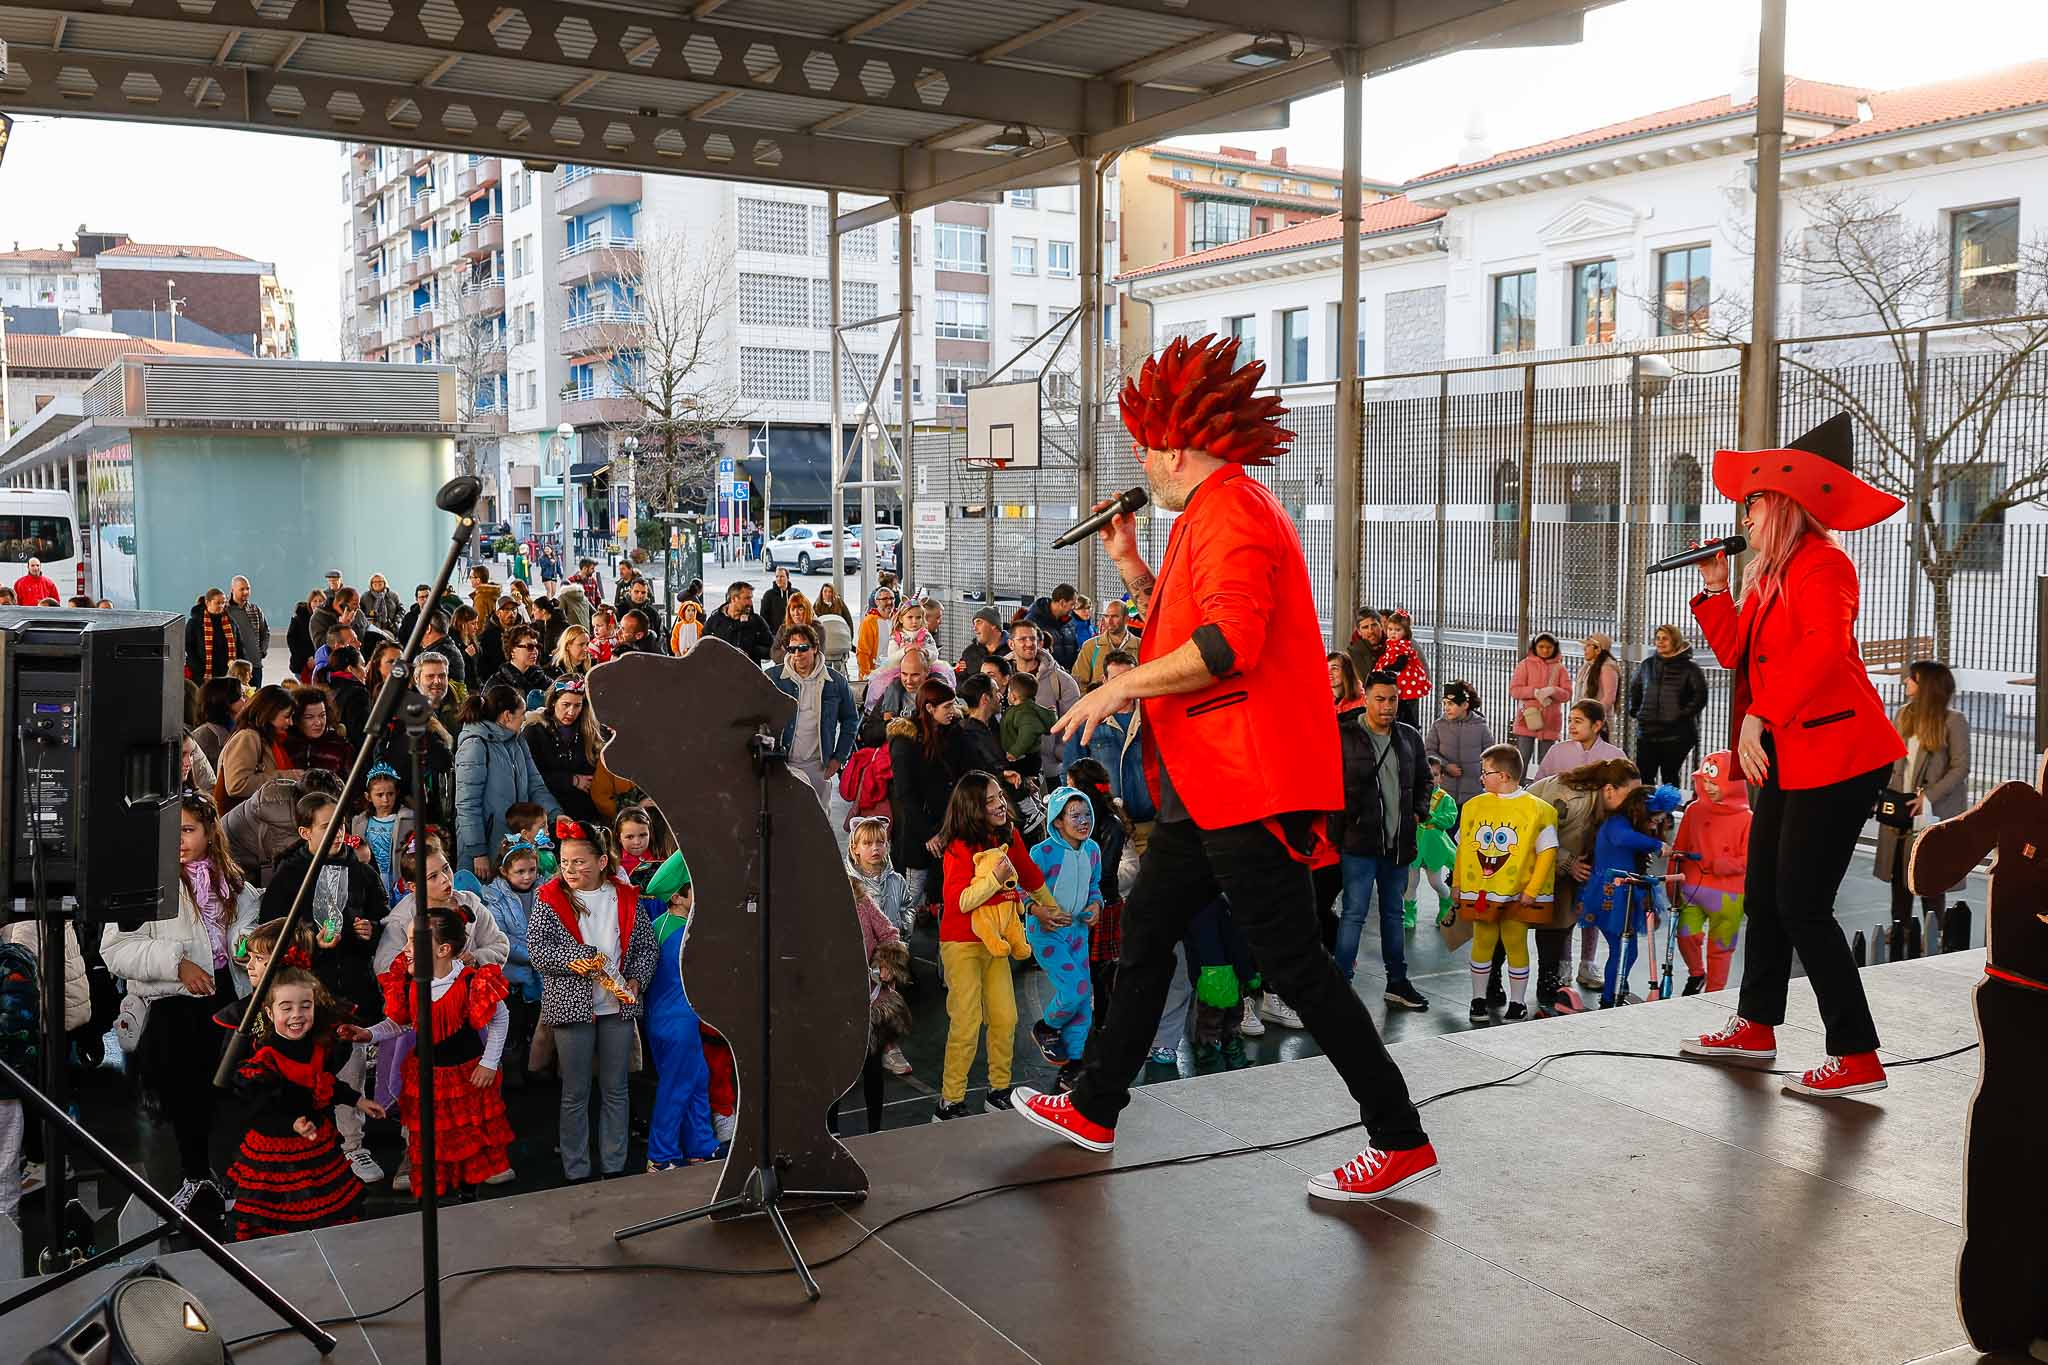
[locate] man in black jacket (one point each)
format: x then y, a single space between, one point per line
775 602
491 643
1386 798
522 671
210 643
737 625
1054 617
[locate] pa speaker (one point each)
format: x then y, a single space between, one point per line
147 1318
92 704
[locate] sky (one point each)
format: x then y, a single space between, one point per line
278 198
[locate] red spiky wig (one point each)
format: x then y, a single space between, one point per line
1192 396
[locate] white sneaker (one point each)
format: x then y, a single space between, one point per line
504 1177
1250 1026
894 1062
1589 977
723 1126
364 1165
1274 1010
403 1179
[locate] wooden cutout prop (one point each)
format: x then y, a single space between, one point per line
681 733
2002 1273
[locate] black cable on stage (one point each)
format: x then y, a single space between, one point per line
988 1191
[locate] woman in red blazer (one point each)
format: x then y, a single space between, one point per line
1810 734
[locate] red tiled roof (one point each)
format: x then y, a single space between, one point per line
1387 215
45 253
1209 189
199 253
1814 99
90 355
1918 106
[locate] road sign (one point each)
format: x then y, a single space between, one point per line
725 466
741 492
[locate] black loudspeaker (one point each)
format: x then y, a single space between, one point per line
92 708
147 1318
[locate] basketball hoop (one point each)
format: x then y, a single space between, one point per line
1002 426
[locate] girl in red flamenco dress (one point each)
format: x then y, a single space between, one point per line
472 1136
290 1174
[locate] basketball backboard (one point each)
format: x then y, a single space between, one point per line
1002 425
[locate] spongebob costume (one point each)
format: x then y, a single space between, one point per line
1507 843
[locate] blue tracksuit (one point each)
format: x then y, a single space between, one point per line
1074 876
1619 849
680 1128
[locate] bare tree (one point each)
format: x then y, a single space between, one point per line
667 336
1948 417
473 344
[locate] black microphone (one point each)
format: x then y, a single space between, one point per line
1698 554
1123 504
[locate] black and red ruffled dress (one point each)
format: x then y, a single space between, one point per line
472 1135
283 1182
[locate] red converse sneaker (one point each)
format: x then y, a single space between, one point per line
1739 1039
1057 1112
1374 1174
1851 1075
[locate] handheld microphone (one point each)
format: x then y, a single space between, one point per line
1699 554
1123 504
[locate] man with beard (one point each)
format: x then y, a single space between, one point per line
1241 755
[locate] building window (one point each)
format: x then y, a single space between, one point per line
1592 303
1976 537
858 301
954 381
961 317
861 244
1984 262
1247 337
1514 312
773 374
962 248
1229 180
1059 260
1023 320
1217 224
1023 199
770 225
1685 281
1023 255
774 300
1682 503
1183 173
1294 346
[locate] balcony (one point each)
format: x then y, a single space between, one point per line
482 236
599 405
370 339
598 258
493 359
368 288
491 418
416 268
418 323
588 187
602 329
483 295
420 207
481 173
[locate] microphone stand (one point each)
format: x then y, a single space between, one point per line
458 495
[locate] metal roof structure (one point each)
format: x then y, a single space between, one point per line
894 98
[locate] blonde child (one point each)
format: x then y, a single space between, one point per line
867 866
243 671
1507 862
472 1136
985 863
909 633
290 1174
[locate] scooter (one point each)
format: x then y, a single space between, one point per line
1661 986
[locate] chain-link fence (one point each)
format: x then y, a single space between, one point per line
1505 499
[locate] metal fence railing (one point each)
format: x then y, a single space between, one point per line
1509 497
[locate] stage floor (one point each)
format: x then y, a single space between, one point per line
1608 1209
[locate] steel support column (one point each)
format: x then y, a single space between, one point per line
1760 395
1091 357
1347 507
908 523
838 456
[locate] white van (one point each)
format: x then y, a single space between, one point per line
41 523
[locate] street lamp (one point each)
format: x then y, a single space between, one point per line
565 435
759 451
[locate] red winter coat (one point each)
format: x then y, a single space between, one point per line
32 590
1798 670
1261 739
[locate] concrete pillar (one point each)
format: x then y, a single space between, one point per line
1348 496
838 398
1091 356
1760 393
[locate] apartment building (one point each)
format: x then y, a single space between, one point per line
555 269
106 281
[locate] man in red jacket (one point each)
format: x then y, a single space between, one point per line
35 587
1241 756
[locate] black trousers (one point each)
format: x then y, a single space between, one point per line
1664 760
1800 844
1272 899
1902 893
870 1093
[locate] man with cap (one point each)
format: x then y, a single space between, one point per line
1810 735
988 643
1241 755
333 582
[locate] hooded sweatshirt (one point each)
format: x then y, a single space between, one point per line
1716 830
1073 875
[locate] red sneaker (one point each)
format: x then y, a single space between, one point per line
1738 1039
1374 1174
1851 1075
1057 1112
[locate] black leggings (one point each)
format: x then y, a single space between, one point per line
183 1047
870 1093
1664 760
1902 894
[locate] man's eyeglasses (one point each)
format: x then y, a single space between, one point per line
529 645
798 649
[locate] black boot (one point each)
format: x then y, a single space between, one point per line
1546 993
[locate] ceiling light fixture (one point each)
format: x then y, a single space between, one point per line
1015 137
1268 49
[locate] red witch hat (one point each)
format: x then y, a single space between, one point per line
1817 471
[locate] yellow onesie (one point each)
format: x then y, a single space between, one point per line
1501 843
